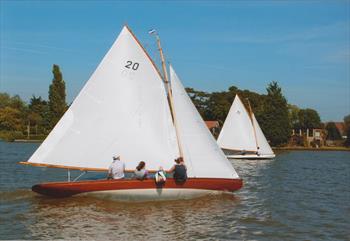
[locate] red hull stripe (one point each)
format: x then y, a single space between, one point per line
66 189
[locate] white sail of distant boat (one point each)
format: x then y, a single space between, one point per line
237 133
203 156
241 136
124 109
264 147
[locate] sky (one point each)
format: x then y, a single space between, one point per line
303 45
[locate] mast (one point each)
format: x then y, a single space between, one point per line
251 119
168 87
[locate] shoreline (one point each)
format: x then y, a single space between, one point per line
27 140
301 148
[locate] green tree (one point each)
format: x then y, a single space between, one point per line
219 104
347 121
10 119
308 119
5 100
332 132
12 113
293 113
200 100
17 103
347 141
57 96
39 113
275 122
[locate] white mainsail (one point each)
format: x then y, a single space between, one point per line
237 132
122 110
264 147
201 153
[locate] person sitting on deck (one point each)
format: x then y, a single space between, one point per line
116 169
257 152
180 170
141 172
160 176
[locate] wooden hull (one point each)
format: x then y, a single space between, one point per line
252 156
130 189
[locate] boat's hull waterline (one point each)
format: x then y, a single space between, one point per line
127 189
252 156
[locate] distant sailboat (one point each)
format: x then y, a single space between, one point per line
126 109
241 136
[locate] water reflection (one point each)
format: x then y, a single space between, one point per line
93 218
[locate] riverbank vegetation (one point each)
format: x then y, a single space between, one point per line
277 117
19 120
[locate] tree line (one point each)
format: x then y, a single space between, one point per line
275 115
19 120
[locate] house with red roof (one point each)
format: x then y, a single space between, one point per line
213 126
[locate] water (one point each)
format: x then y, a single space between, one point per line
301 195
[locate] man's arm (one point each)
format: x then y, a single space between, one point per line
172 169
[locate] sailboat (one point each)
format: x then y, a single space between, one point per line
241 136
128 108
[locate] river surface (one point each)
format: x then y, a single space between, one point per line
301 195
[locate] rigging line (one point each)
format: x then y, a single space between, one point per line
81 174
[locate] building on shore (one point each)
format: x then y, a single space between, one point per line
317 137
309 137
214 127
341 128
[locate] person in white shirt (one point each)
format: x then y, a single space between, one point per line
116 169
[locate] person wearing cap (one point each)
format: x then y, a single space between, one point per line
116 169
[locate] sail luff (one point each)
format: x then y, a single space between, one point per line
265 148
171 101
170 95
144 50
165 73
251 119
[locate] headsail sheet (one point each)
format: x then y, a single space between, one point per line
121 110
264 147
237 132
202 155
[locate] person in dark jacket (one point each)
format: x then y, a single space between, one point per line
179 170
